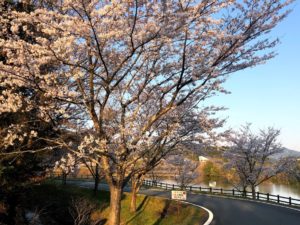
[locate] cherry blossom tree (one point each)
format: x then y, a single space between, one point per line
67 164
123 68
194 126
251 156
184 170
294 170
24 155
95 171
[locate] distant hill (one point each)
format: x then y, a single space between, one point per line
212 152
288 153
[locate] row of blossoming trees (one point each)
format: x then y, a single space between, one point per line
127 76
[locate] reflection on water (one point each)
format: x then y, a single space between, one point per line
281 189
274 189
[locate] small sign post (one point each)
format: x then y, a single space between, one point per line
179 195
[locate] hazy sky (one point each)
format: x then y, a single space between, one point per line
269 95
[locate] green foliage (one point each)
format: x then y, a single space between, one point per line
211 171
215 152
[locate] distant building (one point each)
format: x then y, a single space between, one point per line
202 159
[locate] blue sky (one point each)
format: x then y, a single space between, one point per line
269 95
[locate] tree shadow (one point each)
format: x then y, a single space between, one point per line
141 205
101 222
139 209
163 214
103 199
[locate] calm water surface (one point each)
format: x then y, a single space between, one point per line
274 189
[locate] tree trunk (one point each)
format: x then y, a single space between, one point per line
15 213
11 212
64 178
253 191
133 197
244 192
96 184
115 205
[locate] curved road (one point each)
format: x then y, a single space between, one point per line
230 211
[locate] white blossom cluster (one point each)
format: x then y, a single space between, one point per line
15 134
67 164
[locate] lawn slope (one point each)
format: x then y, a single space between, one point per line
55 200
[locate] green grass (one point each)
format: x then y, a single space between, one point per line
56 198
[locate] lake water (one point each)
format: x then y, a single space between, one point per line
274 189
280 189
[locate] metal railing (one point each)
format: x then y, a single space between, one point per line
266 197
259 196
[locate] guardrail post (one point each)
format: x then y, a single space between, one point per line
217 191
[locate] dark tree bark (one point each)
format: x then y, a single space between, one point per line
96 179
64 178
244 192
11 212
253 191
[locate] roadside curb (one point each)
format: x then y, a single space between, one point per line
210 214
249 200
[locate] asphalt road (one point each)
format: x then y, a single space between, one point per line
230 211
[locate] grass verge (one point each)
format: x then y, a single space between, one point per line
54 200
